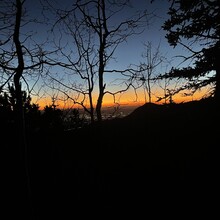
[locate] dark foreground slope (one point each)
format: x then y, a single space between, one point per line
159 160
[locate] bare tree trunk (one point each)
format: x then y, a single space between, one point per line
19 112
99 106
149 88
91 109
102 39
101 94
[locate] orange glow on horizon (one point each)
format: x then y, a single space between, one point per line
127 99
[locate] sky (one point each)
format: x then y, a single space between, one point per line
128 53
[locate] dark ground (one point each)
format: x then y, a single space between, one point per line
160 161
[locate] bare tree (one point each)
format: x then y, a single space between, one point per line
20 58
148 69
96 30
169 90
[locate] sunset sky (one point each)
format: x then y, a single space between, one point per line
128 53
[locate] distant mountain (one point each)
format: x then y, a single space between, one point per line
149 110
187 124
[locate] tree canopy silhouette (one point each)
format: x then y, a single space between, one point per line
193 23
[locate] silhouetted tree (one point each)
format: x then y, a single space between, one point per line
6 114
191 23
32 113
20 57
148 69
52 118
97 30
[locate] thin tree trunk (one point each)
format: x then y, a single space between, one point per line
102 40
101 86
20 122
149 88
91 105
99 106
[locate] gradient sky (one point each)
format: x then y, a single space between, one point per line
129 52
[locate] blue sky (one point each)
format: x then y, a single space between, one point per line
133 48
129 52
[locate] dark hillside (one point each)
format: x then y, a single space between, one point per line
160 159
160 156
